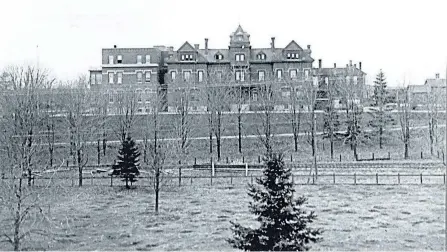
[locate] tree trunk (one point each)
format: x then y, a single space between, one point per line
78 153
157 188
332 145
127 183
218 135
17 222
29 177
99 151
406 151
239 125
380 136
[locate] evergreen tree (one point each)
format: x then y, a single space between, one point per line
284 224
128 162
380 95
380 118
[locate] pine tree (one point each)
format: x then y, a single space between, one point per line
284 224
380 95
128 162
380 118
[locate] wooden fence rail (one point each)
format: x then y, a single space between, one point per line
298 179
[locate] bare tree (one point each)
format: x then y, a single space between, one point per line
82 120
22 116
331 119
266 100
310 87
126 105
404 109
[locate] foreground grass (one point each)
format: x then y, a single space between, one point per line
197 218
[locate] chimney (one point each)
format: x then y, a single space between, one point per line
347 65
273 43
335 65
437 76
206 46
308 47
319 63
355 65
114 46
360 65
350 62
196 46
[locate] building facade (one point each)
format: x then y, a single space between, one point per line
245 73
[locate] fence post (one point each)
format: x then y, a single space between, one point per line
398 178
195 161
333 176
251 175
246 169
291 158
91 179
243 159
377 178
373 156
191 180
227 160
67 163
313 178
231 179
72 181
179 176
212 169
422 156
99 152
111 180
259 159
211 180
355 179
421 178
389 155
340 157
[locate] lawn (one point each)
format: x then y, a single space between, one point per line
196 217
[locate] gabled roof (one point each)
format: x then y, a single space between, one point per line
435 82
239 30
186 47
293 46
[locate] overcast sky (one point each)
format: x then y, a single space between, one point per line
407 39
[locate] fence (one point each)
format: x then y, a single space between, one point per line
243 179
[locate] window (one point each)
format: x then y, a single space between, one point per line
186 75
261 75
279 74
186 57
139 95
293 74
110 78
285 92
98 78
138 59
355 80
173 73
254 96
182 57
149 94
240 57
200 76
288 55
261 56
292 56
148 59
92 79
240 75
148 76
218 56
119 59
111 59
119 78
326 80
111 97
139 77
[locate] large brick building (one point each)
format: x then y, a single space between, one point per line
164 73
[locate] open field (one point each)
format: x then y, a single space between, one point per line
197 217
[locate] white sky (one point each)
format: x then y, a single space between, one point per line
407 39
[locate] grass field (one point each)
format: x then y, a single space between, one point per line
197 217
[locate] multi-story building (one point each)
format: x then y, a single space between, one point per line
167 74
432 92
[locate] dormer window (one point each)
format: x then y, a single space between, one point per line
186 57
261 56
240 57
218 56
119 59
292 55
